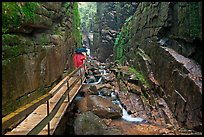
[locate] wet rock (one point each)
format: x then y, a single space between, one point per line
96 72
113 131
180 78
105 91
82 105
88 123
107 85
109 78
84 88
103 108
107 121
90 72
108 26
91 79
134 89
92 89
139 129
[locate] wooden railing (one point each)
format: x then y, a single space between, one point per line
22 112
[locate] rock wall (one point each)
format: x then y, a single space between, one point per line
38 39
110 17
163 41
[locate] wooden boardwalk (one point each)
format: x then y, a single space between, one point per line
40 112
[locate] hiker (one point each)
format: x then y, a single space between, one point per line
88 51
79 58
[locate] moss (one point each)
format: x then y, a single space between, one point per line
121 41
139 76
23 47
44 39
66 6
14 12
128 19
11 51
10 16
13 105
195 20
6 62
10 39
76 25
28 10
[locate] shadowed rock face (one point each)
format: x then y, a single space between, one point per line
182 78
162 42
34 55
110 17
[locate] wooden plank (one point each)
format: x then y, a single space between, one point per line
48 118
23 111
54 109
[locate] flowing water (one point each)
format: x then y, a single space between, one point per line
141 126
125 114
128 117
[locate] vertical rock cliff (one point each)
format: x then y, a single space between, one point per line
110 17
38 39
163 41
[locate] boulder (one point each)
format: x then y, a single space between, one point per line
88 123
103 108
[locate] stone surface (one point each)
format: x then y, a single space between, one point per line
103 108
111 16
88 123
35 53
163 44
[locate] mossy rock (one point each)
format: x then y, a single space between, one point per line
13 105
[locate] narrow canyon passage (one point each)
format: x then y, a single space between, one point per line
142 73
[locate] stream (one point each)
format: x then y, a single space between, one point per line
125 114
127 124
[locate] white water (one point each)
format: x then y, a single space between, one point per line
125 115
103 72
128 117
94 83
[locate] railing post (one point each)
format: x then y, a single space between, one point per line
81 74
48 125
68 89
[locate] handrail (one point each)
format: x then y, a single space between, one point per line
56 89
49 117
13 117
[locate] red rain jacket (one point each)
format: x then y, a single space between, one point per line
78 59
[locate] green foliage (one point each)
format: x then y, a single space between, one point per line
195 20
117 39
10 16
120 42
11 51
139 76
14 12
66 5
128 19
76 22
87 11
9 39
28 10
6 62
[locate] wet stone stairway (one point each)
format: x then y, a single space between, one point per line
113 101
